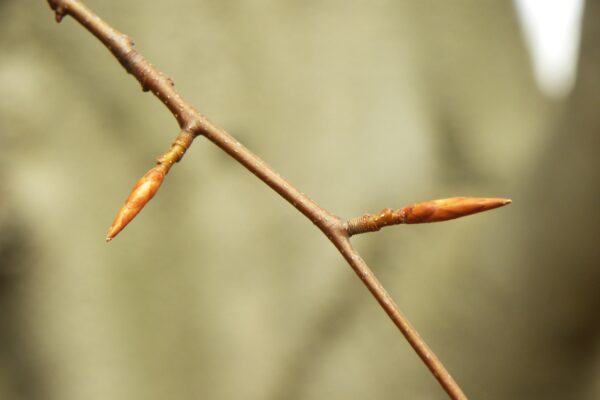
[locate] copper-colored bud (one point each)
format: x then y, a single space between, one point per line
445 209
141 194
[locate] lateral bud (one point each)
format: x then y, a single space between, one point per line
451 208
142 193
148 185
424 212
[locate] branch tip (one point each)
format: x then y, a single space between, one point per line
424 212
148 185
59 9
142 193
451 208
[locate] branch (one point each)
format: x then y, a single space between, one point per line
193 124
148 185
425 212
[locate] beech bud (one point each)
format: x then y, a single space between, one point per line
445 209
141 194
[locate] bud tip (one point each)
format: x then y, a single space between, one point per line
141 194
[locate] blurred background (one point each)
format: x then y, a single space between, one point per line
221 290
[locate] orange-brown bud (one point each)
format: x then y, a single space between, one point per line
428 211
445 209
141 194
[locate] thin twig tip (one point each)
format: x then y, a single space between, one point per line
451 208
142 193
424 212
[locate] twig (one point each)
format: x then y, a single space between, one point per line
193 124
425 212
149 184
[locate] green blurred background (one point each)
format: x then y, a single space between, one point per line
221 290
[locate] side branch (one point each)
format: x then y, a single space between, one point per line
425 212
145 189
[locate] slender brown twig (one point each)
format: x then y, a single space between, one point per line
193 124
425 212
149 184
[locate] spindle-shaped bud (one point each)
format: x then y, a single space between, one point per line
428 211
141 194
148 185
451 208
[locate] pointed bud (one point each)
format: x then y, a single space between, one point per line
141 194
445 209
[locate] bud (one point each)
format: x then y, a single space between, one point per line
141 194
445 209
